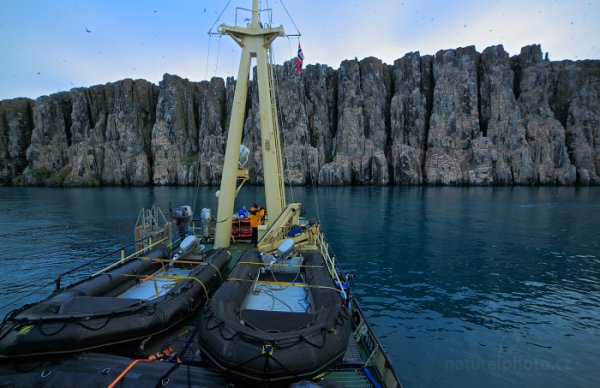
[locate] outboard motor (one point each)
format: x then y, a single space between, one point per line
285 249
182 216
205 223
189 246
284 256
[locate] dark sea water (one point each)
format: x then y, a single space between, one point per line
465 287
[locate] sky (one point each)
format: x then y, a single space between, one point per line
51 46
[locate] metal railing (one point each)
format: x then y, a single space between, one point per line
151 245
325 249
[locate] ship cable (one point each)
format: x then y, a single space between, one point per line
208 56
210 34
179 359
279 118
292 20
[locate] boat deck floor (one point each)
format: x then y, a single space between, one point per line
157 286
278 297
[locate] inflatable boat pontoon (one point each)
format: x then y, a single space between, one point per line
133 301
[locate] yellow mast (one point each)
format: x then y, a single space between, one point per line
255 42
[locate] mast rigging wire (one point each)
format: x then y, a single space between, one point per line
219 18
208 55
218 55
280 120
292 20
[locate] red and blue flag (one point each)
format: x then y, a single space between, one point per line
299 59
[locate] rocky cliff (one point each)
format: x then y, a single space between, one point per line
457 118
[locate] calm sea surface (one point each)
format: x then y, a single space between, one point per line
464 286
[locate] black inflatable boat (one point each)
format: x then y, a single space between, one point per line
133 301
276 322
102 370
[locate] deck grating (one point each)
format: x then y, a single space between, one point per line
348 377
352 355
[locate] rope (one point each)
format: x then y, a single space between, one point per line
216 269
323 335
91 328
176 261
185 262
41 325
269 357
119 377
285 284
218 222
186 346
174 277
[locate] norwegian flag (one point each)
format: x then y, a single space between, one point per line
299 59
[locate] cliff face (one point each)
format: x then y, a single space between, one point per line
99 135
16 123
457 118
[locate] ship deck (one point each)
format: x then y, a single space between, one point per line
364 364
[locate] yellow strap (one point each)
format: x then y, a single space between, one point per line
177 278
172 277
156 288
187 262
216 269
284 284
176 261
280 264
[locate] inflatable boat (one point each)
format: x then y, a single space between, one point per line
276 320
131 302
103 370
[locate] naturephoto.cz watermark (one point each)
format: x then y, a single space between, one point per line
507 365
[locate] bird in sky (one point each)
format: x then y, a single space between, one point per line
88 31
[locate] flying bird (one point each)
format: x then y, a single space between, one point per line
88 31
